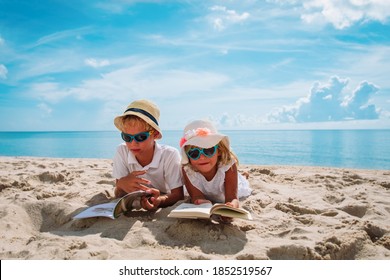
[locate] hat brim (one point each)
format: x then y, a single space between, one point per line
203 142
118 121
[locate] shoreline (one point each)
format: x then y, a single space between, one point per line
300 212
242 166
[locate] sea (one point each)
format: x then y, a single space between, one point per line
361 149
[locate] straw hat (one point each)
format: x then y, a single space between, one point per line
143 109
202 134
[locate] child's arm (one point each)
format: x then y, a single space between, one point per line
231 187
197 197
117 191
130 183
160 201
170 199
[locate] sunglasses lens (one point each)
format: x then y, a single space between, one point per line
141 137
194 153
126 137
210 151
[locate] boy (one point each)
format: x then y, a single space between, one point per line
141 163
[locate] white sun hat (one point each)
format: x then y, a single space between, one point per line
202 134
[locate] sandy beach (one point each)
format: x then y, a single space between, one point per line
299 213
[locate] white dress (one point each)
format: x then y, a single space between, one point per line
214 190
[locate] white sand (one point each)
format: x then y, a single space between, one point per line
299 213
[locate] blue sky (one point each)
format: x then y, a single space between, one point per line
245 64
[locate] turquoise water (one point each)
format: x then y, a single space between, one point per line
368 149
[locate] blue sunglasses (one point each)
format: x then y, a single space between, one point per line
194 153
139 137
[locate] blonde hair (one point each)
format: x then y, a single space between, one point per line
225 155
134 120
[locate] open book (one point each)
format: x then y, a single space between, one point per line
205 210
114 208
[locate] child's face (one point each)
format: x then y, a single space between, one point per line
205 164
138 148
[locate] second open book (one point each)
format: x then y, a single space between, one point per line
205 210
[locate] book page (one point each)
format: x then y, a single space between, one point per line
125 203
191 211
229 211
100 210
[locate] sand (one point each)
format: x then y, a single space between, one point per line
299 213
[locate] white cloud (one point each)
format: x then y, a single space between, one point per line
120 6
48 91
48 63
328 103
222 17
95 63
140 81
344 13
130 83
65 34
236 121
218 24
3 71
1 41
356 106
45 109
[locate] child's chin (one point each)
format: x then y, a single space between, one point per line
135 151
204 167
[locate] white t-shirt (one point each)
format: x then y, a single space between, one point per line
214 190
164 171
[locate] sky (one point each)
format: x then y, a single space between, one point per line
243 64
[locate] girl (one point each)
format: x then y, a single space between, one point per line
210 167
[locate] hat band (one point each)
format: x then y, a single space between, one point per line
143 112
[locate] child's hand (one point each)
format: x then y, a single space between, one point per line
201 201
132 182
234 203
151 203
